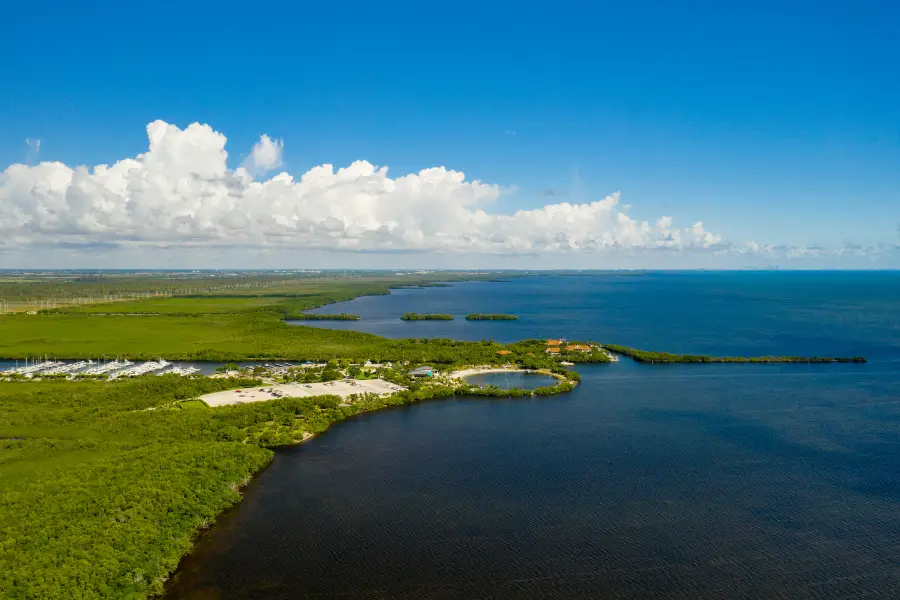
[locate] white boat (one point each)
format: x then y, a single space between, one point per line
68 368
141 369
183 371
31 369
106 367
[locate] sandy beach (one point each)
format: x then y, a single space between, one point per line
343 388
485 370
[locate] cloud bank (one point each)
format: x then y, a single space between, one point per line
180 192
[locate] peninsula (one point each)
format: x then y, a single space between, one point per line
101 433
645 356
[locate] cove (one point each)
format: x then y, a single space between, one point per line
646 481
678 482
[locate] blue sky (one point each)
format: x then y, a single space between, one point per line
771 122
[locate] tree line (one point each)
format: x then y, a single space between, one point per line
668 357
413 316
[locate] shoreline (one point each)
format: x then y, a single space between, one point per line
484 370
253 477
307 436
461 374
488 369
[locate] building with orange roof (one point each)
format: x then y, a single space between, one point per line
504 352
553 350
578 348
554 342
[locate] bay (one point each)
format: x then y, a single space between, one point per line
662 481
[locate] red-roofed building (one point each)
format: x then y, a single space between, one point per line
578 348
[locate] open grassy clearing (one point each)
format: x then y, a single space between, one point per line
222 328
224 337
173 306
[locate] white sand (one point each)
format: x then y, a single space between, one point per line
342 388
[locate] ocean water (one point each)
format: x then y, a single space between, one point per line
648 481
735 313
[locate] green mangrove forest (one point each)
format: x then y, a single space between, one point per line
105 484
327 317
645 356
491 317
412 316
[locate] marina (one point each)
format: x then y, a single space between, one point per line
183 371
140 369
29 370
68 368
113 369
106 367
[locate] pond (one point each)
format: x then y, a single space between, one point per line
507 381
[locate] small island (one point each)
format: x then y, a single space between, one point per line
411 316
326 317
491 317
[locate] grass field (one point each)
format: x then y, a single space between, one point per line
194 305
192 405
233 327
223 337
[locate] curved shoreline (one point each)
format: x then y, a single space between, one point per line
513 369
468 372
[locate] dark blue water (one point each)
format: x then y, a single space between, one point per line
648 481
735 313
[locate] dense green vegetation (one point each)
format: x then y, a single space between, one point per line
534 352
411 316
68 290
253 328
247 321
490 317
666 357
180 306
105 484
234 337
99 499
327 317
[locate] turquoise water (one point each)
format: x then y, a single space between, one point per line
685 482
527 381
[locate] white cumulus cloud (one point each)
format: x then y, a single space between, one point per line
265 156
181 193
